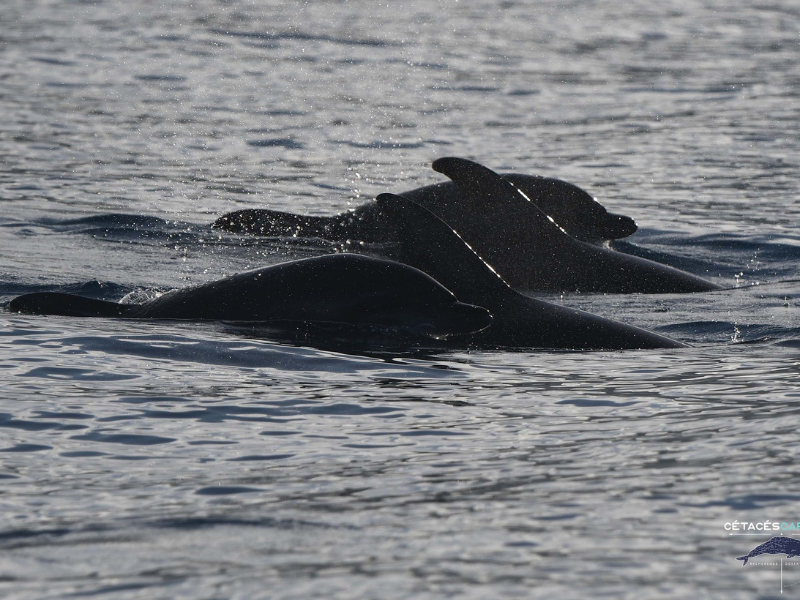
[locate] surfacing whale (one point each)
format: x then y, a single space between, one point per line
519 321
575 211
533 253
507 228
338 288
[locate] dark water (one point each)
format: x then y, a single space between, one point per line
185 460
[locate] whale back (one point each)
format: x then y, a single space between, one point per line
544 257
274 223
68 305
504 226
573 209
337 287
519 321
340 288
427 243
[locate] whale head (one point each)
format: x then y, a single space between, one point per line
574 210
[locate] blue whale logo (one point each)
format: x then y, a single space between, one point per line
777 545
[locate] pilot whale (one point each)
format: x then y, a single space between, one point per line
338 288
529 248
519 321
575 211
532 252
777 545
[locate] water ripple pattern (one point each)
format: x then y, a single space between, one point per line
185 460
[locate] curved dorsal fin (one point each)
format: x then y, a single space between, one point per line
486 190
472 179
504 227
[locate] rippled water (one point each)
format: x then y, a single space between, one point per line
198 461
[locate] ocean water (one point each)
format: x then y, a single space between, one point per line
180 460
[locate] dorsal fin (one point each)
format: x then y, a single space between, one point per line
503 226
429 244
486 190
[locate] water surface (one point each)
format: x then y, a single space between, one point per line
187 460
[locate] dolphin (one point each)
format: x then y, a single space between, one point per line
575 211
338 288
519 321
777 545
533 253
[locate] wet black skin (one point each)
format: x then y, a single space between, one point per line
573 209
535 254
340 288
508 229
519 321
